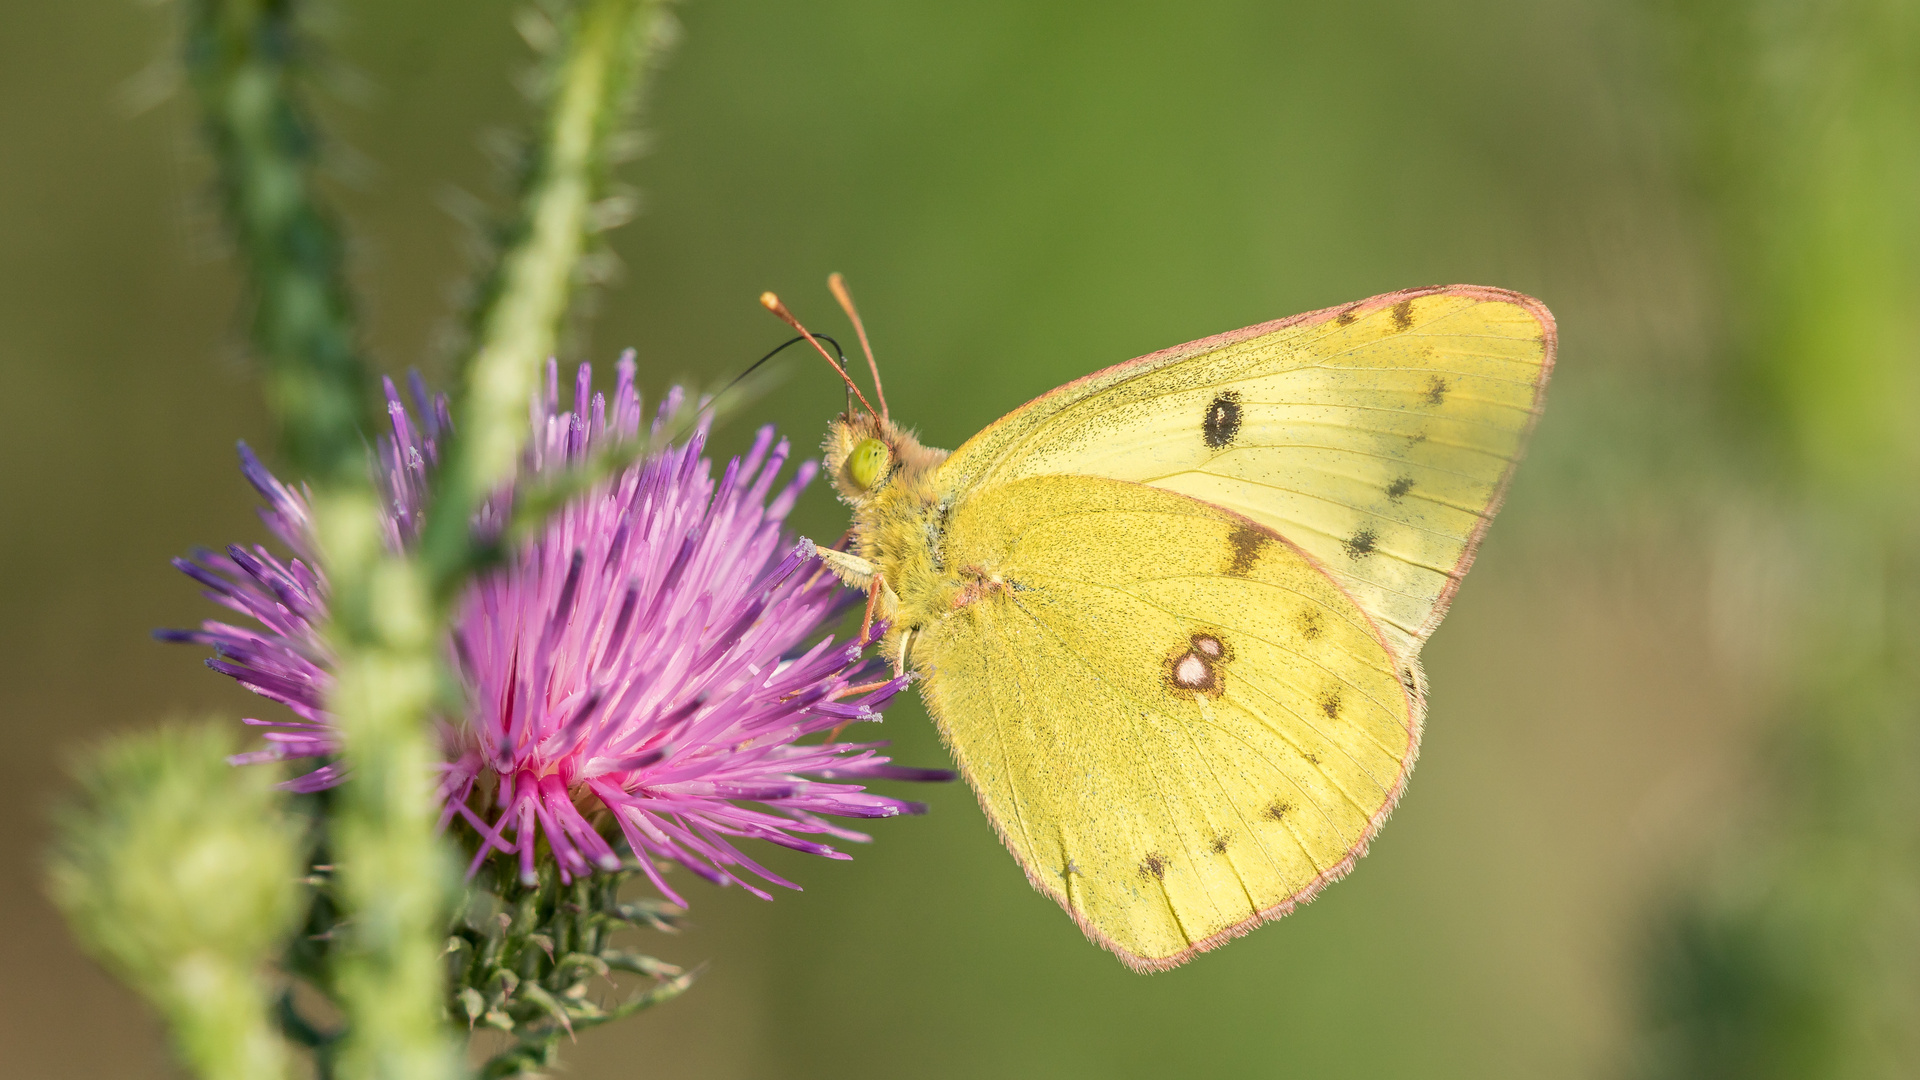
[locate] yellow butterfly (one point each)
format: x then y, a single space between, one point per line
1168 617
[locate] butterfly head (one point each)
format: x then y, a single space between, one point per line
867 454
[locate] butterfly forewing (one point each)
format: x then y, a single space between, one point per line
1377 437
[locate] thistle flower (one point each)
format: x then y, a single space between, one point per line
645 668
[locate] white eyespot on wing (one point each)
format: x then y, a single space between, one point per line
1191 672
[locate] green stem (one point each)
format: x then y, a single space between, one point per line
387 611
243 57
395 874
608 46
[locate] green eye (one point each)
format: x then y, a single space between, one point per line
867 463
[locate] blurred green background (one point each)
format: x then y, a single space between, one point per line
1665 821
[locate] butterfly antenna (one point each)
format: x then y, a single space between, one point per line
839 286
772 303
713 403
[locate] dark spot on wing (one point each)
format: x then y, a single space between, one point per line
1219 844
1436 390
1344 317
1278 809
1403 315
1247 542
1223 420
1310 627
1312 759
1330 704
1399 487
1154 865
1361 544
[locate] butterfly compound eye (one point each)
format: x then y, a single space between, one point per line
868 463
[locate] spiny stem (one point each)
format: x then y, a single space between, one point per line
608 46
389 610
395 876
244 57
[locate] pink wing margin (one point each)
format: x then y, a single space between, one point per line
1416 694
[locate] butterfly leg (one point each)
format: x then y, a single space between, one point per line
900 662
861 574
852 569
873 600
863 688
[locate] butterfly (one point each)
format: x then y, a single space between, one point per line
1168 617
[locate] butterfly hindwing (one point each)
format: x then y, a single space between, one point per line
1179 725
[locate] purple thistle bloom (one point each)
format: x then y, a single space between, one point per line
645 669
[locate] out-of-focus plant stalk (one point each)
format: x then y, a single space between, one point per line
392 867
389 610
592 94
395 874
245 57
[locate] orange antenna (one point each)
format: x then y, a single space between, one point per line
772 303
839 286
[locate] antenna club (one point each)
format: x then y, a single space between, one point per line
772 303
838 286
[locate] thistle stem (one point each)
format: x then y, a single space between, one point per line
244 57
594 91
389 610
395 876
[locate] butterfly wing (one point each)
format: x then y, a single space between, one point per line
1378 437
1179 725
